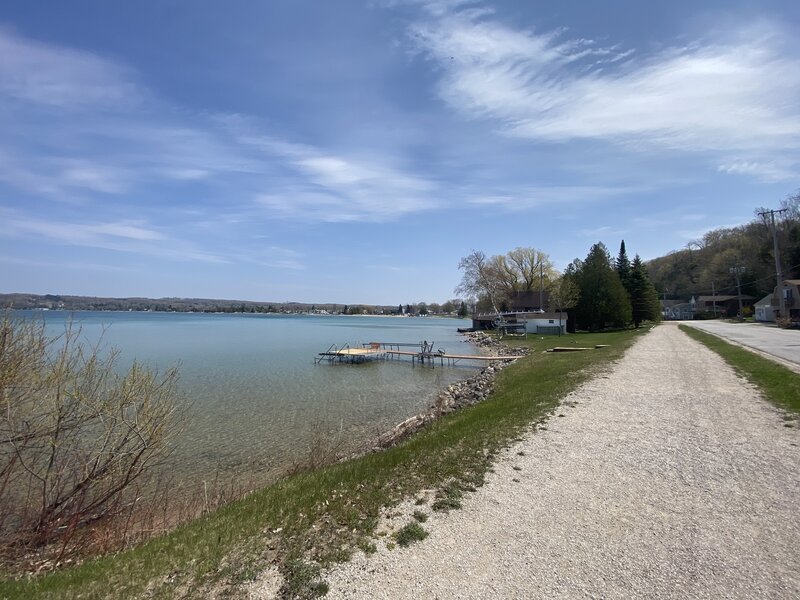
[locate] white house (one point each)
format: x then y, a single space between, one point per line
545 323
765 312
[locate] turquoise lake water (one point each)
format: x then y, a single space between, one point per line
255 397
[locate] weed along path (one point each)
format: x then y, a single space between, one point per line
666 477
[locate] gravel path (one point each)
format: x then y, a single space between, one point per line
669 478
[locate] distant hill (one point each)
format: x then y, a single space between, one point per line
62 302
704 265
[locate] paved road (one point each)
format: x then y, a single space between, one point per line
667 477
782 343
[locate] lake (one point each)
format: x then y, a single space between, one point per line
255 397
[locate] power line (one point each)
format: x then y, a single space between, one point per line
778 273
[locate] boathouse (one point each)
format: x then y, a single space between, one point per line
542 323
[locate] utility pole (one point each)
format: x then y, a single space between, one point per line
737 272
714 299
541 286
778 273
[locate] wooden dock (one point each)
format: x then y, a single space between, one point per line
386 350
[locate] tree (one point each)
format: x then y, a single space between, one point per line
449 307
75 436
422 308
463 311
644 298
564 293
399 309
496 279
603 299
623 266
479 277
529 264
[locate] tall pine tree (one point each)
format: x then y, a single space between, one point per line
603 300
644 298
623 266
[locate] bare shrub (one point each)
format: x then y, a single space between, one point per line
77 439
323 449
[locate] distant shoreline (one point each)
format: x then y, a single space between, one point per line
23 301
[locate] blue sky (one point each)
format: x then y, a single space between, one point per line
354 151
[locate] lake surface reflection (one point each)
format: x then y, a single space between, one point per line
255 397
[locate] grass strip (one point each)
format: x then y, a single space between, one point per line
319 517
780 385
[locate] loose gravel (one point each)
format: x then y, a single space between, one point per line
666 477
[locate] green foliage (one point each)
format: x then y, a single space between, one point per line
603 300
644 298
623 266
463 311
410 533
691 271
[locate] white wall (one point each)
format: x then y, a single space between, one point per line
532 324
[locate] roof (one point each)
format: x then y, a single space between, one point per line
528 298
528 316
792 281
720 298
765 301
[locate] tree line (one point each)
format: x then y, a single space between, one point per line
706 265
598 292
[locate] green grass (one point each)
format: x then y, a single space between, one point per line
780 385
410 533
319 517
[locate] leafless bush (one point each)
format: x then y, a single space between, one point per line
323 449
77 439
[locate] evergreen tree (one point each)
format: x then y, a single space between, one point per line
603 299
623 266
463 311
644 298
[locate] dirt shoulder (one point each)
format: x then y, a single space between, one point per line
666 477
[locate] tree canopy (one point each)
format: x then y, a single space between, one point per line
705 264
643 296
495 279
603 300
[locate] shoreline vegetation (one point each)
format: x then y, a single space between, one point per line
321 513
45 302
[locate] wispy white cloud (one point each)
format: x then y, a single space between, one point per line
276 257
122 236
129 145
778 169
71 265
44 74
735 95
333 188
554 196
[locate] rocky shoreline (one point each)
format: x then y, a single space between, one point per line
458 395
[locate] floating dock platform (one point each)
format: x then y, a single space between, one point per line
425 355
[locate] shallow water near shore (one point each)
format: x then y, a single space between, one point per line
256 399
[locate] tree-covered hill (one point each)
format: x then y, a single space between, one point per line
705 264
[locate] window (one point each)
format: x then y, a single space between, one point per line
552 321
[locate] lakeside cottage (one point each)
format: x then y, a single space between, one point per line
542 323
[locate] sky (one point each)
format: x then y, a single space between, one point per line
354 151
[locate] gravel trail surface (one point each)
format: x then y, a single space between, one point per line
667 477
